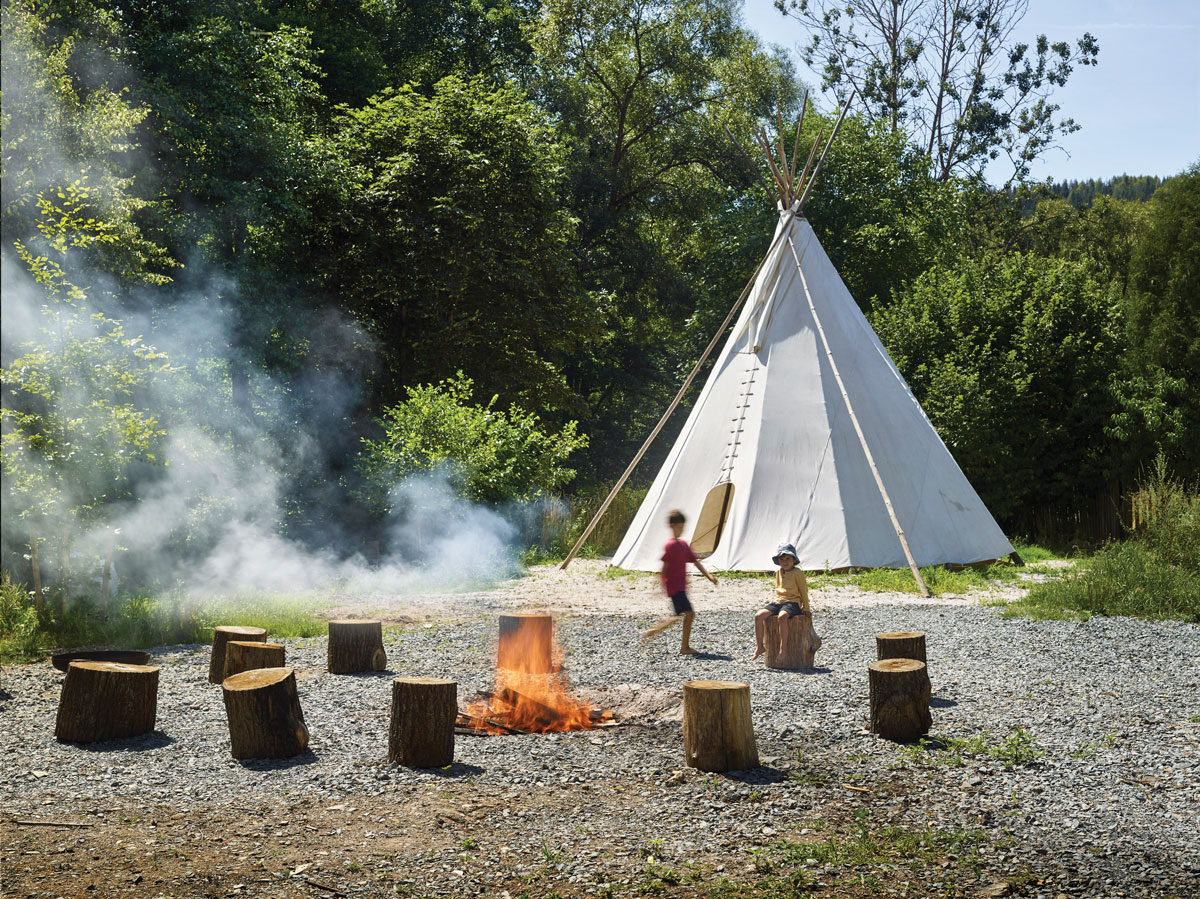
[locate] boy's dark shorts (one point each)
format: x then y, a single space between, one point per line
681 602
792 608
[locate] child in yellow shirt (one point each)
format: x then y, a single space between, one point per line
791 598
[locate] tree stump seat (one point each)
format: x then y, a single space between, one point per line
106 701
265 719
901 645
718 733
355 646
801 647
221 637
421 731
899 699
245 655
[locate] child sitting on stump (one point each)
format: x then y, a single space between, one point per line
791 599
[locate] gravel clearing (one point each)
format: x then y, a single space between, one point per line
1101 797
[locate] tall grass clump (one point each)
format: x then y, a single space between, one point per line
1153 573
562 521
20 630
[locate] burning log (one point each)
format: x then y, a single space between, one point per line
526 643
899 699
221 636
265 719
105 701
718 734
421 734
801 647
356 646
243 655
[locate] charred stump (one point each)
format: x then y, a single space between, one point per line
242 655
106 701
526 643
265 720
356 646
801 647
421 733
718 734
221 637
899 699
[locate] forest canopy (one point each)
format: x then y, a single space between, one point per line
259 258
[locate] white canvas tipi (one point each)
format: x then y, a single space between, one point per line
803 407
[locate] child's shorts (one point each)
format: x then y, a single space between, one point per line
681 602
792 608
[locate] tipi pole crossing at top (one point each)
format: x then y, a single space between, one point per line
912 564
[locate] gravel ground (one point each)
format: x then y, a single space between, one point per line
1102 799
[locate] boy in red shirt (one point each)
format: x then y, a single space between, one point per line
675 558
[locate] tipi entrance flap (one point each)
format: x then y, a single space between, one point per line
714 515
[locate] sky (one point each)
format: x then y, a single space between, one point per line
1139 108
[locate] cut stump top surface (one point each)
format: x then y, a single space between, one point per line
256 644
900 635
255 677
241 630
355 622
715 684
424 680
897 665
111 666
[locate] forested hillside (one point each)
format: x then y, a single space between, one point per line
263 261
1123 187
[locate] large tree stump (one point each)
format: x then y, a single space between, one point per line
899 699
526 643
802 643
901 645
421 734
356 645
106 700
221 637
242 655
718 734
265 720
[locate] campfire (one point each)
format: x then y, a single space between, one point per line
530 694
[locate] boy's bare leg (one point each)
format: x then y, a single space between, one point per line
760 627
783 629
685 647
652 632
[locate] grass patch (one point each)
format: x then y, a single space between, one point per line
142 621
1155 573
1013 751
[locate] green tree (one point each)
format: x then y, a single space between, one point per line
947 73
455 249
493 455
1012 360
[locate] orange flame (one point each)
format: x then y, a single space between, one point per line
530 694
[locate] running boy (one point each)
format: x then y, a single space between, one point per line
791 598
675 558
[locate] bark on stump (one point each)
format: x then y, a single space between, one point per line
356 646
105 701
526 643
221 637
265 720
421 734
718 734
901 645
242 655
899 699
802 643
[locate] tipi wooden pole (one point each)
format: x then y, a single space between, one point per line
679 396
828 144
912 564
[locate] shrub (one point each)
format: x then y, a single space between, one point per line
493 456
20 635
